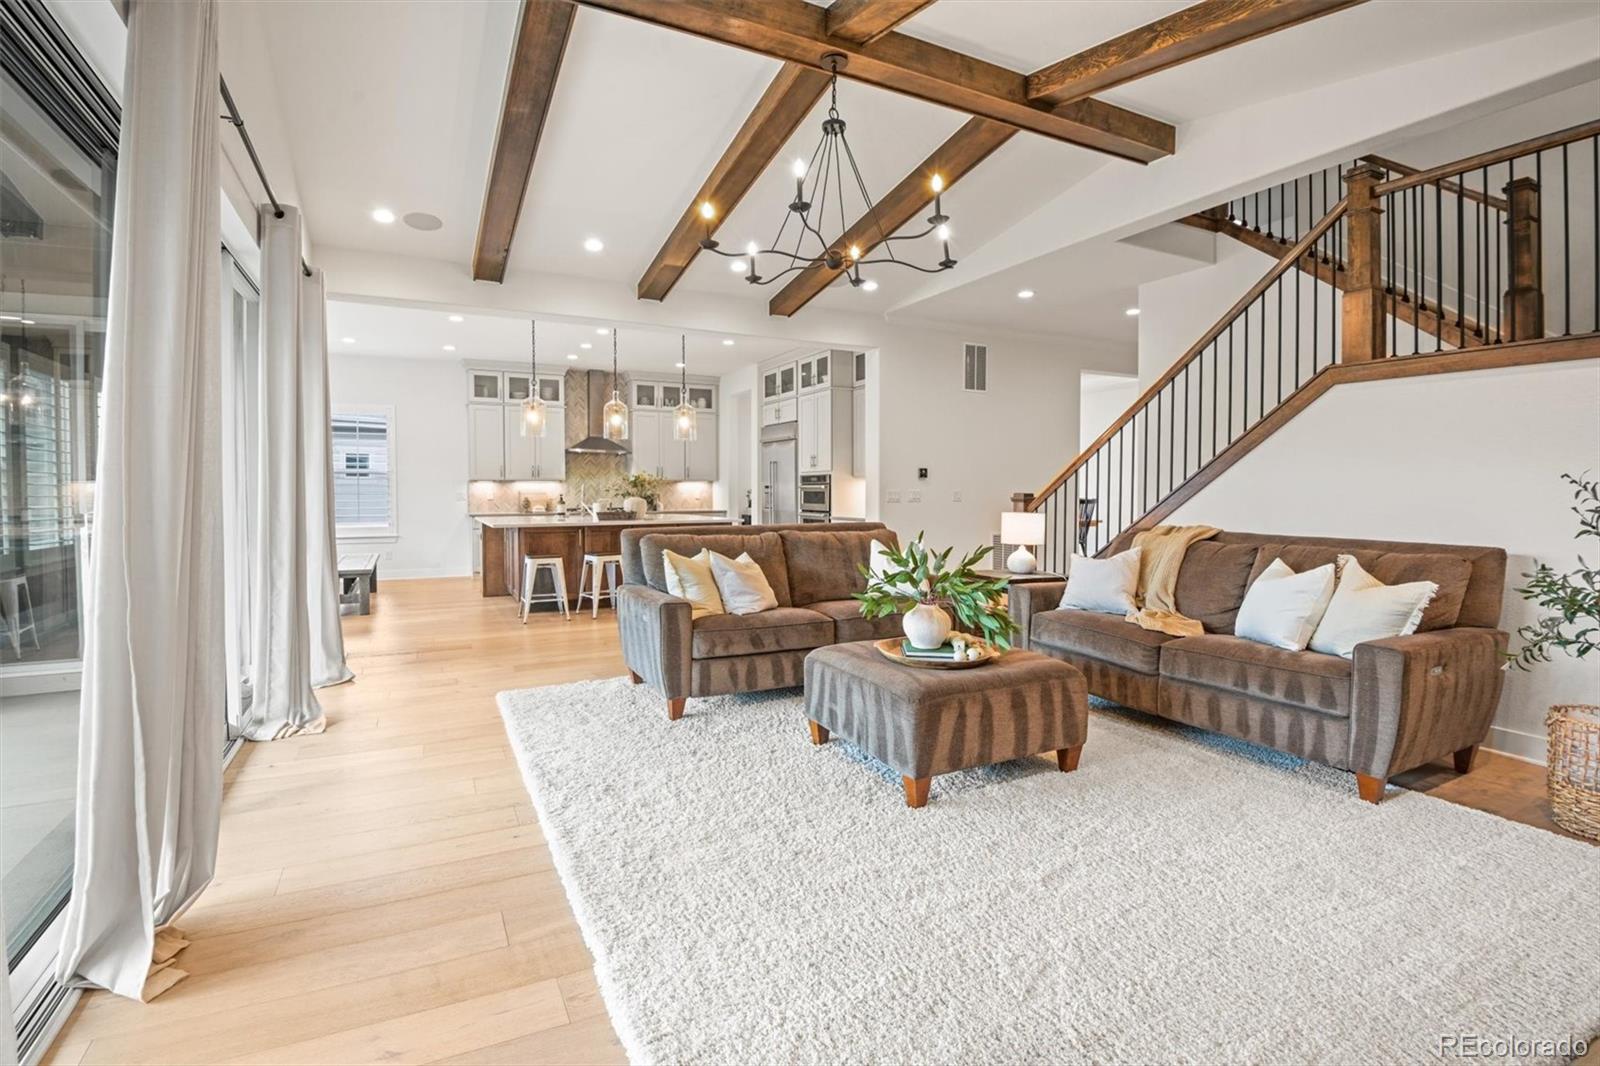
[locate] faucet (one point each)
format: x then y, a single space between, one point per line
592 508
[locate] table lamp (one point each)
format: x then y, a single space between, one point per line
1025 529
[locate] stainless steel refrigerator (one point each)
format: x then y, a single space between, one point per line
780 487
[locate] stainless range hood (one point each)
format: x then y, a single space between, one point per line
597 388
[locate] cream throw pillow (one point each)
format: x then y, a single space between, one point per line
742 585
1364 608
1282 608
1105 586
692 580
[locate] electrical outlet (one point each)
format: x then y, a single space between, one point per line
388 556
891 497
913 497
955 497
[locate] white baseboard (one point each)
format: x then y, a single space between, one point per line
1530 747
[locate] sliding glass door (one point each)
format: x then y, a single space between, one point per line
57 180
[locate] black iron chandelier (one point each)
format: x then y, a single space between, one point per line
811 208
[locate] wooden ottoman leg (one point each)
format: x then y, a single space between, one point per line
675 709
1371 788
916 790
1067 758
1464 759
819 733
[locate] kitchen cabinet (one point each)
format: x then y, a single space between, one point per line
486 457
536 458
778 382
860 362
701 464
703 398
644 438
858 431
779 411
819 371
486 386
646 394
825 431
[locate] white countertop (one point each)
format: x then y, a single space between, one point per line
579 520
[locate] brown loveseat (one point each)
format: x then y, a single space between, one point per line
1397 704
813 570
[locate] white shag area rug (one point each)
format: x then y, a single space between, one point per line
752 898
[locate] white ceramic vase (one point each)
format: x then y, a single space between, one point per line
926 626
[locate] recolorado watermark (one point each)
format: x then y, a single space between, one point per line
1491 1046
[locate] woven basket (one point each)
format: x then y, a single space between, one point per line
1573 768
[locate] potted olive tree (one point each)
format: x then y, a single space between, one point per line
1570 625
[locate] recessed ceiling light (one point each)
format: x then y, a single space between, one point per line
382 215
349 340
1024 294
449 347
737 266
727 342
603 331
594 244
677 366
10 318
26 321
585 344
457 318
422 221
1132 311
870 285
574 355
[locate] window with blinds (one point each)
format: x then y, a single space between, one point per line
363 471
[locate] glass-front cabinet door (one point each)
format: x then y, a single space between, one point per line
807 373
646 394
702 397
550 389
671 395
769 385
516 388
485 386
786 381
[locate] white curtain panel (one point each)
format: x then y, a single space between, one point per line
282 702
151 718
322 548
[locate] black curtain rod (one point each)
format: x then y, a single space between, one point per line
233 119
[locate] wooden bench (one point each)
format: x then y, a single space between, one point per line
358 581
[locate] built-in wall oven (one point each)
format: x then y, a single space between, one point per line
816 497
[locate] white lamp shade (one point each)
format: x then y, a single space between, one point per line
1021 527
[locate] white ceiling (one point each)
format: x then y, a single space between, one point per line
417 333
396 104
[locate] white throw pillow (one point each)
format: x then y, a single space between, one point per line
1364 608
742 585
1282 608
691 579
1105 586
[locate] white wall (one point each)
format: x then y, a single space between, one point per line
1105 398
1467 458
429 459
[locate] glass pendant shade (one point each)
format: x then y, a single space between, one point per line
614 415
684 422
614 418
533 416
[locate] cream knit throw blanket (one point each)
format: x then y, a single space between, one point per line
1160 557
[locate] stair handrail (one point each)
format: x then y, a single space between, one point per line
1454 188
1288 261
1489 159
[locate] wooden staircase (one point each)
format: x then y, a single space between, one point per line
1377 260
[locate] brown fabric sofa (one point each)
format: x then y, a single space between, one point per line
1396 704
813 570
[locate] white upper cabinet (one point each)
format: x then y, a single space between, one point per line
486 457
702 458
644 438
486 386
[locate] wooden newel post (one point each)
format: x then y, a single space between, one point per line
1363 303
1524 306
1021 500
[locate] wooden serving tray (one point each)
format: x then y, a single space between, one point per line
890 648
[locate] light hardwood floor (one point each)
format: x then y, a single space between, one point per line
384 892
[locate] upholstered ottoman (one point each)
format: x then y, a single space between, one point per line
926 722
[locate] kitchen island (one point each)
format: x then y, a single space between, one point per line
508 537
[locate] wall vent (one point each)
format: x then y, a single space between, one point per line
975 369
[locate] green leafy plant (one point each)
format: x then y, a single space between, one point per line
1572 600
645 486
916 575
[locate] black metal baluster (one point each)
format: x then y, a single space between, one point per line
1200 399
1257 226
1157 464
1185 376
1419 282
1172 444
1316 301
1278 285
1230 381
1566 248
1438 258
1244 366
1388 255
1511 227
1214 395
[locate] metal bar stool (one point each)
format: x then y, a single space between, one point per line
531 566
13 591
596 567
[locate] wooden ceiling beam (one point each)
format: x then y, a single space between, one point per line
863 21
966 148
781 109
795 31
530 82
1197 30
